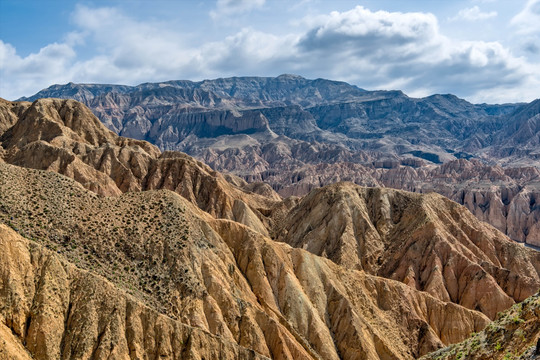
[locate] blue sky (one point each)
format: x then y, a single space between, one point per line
481 50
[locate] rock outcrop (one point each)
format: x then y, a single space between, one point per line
507 198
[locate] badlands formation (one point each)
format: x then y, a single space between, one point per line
297 134
111 248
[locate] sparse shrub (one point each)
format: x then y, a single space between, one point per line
517 320
475 344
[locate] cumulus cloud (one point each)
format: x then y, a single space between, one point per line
378 36
374 50
473 14
52 58
41 69
226 8
382 50
249 52
124 51
130 47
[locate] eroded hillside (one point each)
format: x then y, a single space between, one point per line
514 335
63 136
211 274
426 241
297 134
111 248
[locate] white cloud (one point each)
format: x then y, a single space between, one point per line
382 49
226 8
7 54
128 51
528 20
131 45
473 14
361 22
375 50
21 75
75 38
52 58
250 52
361 32
124 51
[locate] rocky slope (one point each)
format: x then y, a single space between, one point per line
65 137
55 310
514 335
192 256
217 276
426 241
227 113
520 137
507 198
297 134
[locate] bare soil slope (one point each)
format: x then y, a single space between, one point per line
514 335
113 249
215 275
426 241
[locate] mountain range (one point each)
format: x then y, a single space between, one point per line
112 248
228 113
297 134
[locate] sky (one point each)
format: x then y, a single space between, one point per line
480 50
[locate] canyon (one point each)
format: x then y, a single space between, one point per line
113 248
296 134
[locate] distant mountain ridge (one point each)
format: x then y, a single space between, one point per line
287 89
182 115
297 134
